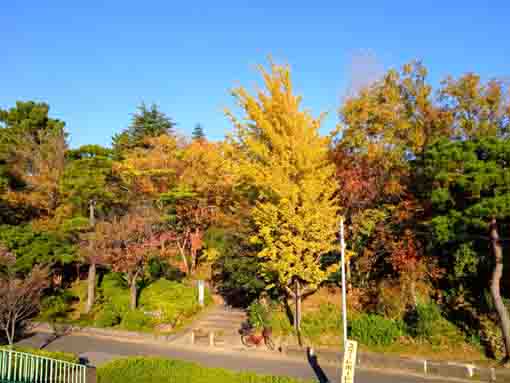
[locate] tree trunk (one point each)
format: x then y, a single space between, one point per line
91 287
348 275
10 333
133 290
497 273
412 291
183 255
297 316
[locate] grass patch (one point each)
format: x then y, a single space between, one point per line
148 370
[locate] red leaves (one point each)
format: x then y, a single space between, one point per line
20 299
125 243
406 254
6 257
363 181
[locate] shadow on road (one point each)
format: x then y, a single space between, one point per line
312 360
57 332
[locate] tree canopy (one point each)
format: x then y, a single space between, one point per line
418 172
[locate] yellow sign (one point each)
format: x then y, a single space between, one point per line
351 349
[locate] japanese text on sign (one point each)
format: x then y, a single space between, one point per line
349 361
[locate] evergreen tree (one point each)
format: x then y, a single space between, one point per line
32 150
468 188
89 177
198 133
147 122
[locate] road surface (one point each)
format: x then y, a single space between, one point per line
99 350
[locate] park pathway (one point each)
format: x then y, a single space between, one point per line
222 323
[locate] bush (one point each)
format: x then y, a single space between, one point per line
65 356
148 370
259 315
375 330
55 307
115 293
390 301
108 317
159 268
427 323
136 320
326 321
173 300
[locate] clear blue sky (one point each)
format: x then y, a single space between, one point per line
94 61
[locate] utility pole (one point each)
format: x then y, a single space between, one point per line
344 284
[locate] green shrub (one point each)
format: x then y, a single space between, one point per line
107 317
259 315
136 320
327 320
421 322
78 292
65 356
160 268
375 330
55 307
114 292
175 301
427 323
148 370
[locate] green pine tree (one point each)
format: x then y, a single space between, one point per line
198 133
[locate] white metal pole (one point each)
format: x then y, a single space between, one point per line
344 284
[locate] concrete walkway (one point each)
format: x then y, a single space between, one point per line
222 322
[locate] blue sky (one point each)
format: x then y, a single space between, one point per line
95 61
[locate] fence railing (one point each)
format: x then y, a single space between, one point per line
20 367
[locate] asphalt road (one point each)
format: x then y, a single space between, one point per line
99 350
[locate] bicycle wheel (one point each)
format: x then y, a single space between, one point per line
246 341
269 343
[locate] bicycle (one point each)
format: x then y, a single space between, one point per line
250 338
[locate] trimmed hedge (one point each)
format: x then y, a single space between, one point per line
108 317
115 293
136 321
149 370
65 356
174 300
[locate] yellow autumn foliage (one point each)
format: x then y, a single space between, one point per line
277 150
151 169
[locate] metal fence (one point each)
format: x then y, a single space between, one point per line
20 367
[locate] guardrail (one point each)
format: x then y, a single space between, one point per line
20 367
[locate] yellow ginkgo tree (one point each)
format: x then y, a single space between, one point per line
278 153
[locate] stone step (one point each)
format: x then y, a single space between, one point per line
224 322
220 340
221 320
227 314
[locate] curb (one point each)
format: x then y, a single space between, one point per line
121 334
447 370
